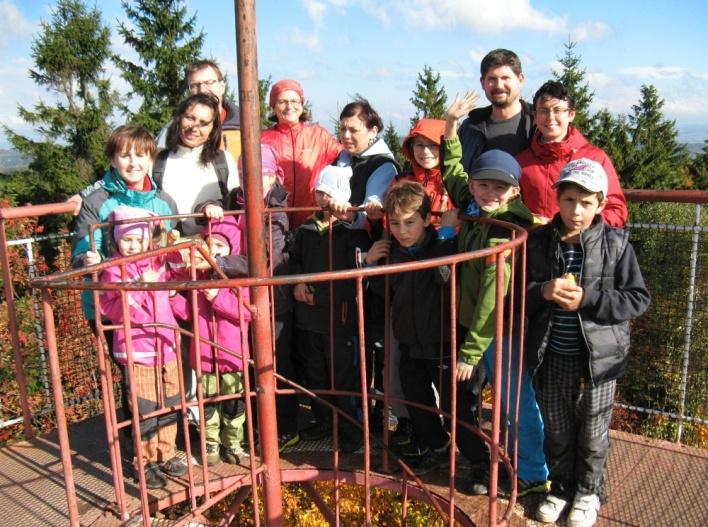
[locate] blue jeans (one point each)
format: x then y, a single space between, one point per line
531 459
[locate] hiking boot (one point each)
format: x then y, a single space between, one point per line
350 443
584 511
436 459
551 509
154 478
403 434
523 486
287 440
212 454
175 467
230 456
477 484
316 432
414 449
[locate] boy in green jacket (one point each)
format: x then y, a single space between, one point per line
492 191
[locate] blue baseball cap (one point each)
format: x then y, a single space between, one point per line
497 165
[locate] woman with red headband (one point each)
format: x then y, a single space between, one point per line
304 148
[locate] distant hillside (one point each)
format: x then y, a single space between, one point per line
12 161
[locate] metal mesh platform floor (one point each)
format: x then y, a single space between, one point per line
650 483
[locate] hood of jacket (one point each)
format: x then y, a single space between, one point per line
233 119
114 184
558 150
431 129
378 147
228 228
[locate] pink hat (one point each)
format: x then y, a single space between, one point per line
284 85
269 163
124 212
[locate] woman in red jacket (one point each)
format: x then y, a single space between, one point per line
304 148
555 143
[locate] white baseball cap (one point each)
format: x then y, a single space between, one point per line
585 173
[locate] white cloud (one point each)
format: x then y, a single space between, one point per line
308 40
12 21
655 72
598 79
484 16
315 10
589 31
376 9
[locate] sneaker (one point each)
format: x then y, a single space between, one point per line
584 511
288 440
403 434
551 509
230 456
212 453
316 432
524 487
154 478
174 467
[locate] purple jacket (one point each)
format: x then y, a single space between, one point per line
144 307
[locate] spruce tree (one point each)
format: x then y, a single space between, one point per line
657 160
69 55
165 41
263 93
612 134
429 98
393 141
698 169
572 77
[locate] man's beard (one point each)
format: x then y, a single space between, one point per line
506 102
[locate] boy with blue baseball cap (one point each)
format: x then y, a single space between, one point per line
491 190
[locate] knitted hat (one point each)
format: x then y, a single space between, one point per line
269 163
284 85
585 173
124 212
334 181
497 165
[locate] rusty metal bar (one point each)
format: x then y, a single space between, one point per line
249 103
673 196
62 429
14 331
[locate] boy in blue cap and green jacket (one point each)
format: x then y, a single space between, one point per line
491 190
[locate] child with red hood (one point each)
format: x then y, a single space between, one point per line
422 148
219 318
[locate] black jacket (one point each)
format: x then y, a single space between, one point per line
278 242
613 294
420 303
472 132
310 254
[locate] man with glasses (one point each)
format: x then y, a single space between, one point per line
555 143
204 76
507 124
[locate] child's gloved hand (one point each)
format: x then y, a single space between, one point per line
213 212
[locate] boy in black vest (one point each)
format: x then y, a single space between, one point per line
584 285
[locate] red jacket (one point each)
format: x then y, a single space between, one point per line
304 150
432 130
541 164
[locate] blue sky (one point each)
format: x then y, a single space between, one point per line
337 48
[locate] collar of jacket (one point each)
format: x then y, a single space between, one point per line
558 150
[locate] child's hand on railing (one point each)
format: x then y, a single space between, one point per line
449 218
464 371
92 257
150 276
213 212
379 249
374 210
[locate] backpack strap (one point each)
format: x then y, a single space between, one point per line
222 173
158 167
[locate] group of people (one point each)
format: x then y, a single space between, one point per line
523 163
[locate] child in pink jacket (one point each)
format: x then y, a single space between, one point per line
219 322
153 348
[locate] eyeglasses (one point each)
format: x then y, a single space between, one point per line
547 112
194 86
423 146
291 102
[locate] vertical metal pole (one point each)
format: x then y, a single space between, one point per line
62 429
14 333
257 256
695 243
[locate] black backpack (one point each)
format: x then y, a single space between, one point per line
222 170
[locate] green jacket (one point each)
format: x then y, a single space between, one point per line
476 295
